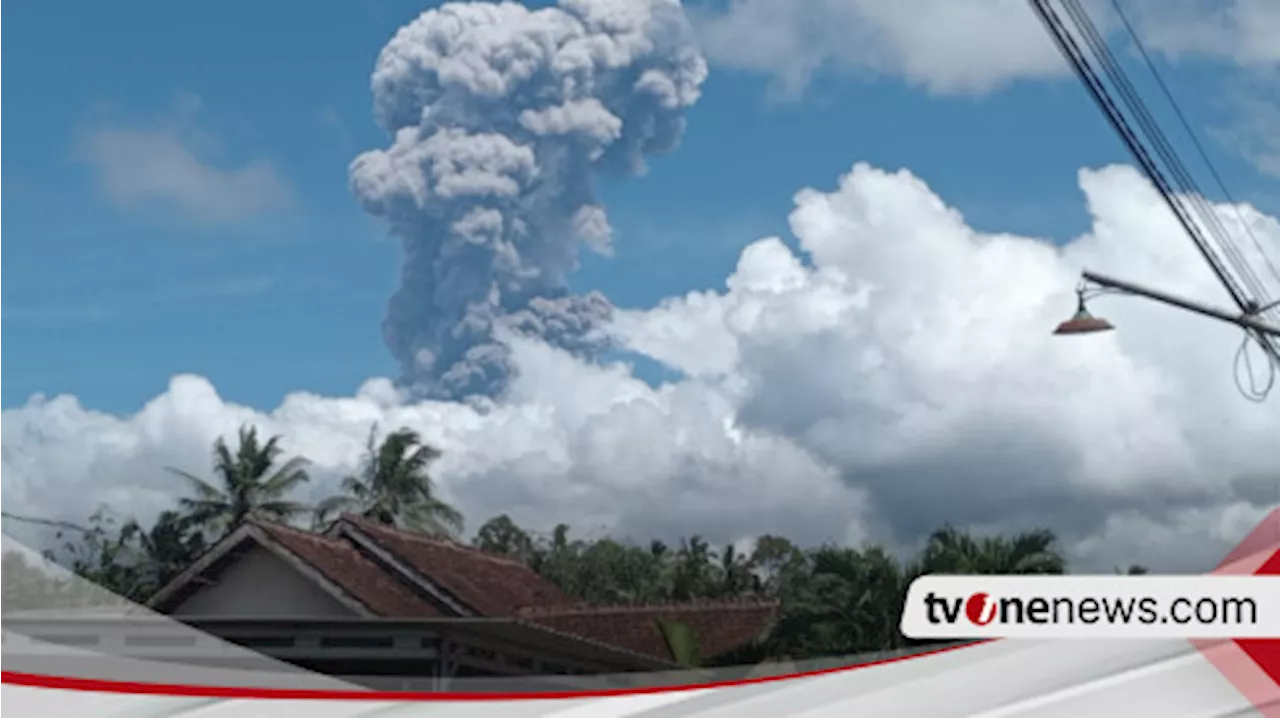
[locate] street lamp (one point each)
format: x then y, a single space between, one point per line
1085 323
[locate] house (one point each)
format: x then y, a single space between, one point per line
367 599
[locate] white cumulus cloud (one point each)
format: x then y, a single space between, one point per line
961 47
946 46
1240 31
891 372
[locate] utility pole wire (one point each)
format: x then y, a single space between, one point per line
1204 156
1182 195
54 523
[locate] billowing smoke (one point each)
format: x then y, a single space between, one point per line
500 116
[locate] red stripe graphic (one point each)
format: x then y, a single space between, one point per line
34 680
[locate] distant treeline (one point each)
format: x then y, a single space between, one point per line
835 600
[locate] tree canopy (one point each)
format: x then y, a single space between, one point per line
834 600
393 487
251 482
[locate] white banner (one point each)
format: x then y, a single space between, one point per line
955 607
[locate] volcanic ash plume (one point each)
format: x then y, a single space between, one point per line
499 117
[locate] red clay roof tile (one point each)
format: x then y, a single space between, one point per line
719 626
383 594
492 585
496 586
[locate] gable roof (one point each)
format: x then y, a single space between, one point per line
336 568
383 572
340 562
492 586
720 626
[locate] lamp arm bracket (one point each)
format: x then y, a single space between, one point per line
1089 291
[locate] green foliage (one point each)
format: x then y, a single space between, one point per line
247 486
681 641
106 553
501 536
834 600
111 557
952 551
393 487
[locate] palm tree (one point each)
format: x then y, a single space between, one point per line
393 487
952 551
252 483
735 573
850 602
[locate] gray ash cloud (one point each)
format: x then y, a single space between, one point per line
500 117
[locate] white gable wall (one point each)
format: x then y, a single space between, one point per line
260 584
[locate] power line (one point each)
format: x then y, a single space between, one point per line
53 523
1183 197
1204 156
1189 192
1098 92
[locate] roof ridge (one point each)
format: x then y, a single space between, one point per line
440 541
273 524
341 563
269 526
694 605
490 585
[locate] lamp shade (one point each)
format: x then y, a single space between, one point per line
1083 323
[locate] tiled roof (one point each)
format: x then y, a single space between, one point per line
720 626
492 585
501 587
343 565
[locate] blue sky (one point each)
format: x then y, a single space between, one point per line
107 299
180 203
